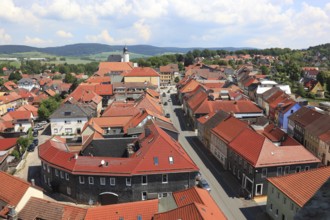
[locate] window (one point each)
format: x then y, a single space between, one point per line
44 166
81 179
67 122
306 168
91 180
278 195
45 179
164 178
79 121
286 170
68 190
271 207
264 172
250 169
139 217
55 130
259 189
171 160
298 169
128 181
48 169
144 180
56 172
279 171
292 206
68 130
66 176
276 212
61 174
144 195
102 181
156 161
48 181
284 200
112 181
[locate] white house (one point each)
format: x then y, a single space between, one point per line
28 84
70 119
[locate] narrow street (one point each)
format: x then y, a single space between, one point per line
224 187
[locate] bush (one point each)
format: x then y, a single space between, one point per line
16 154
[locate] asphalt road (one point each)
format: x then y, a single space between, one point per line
224 187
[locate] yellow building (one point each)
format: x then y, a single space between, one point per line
142 74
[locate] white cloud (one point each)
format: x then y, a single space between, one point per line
143 29
4 37
12 13
36 41
64 34
104 36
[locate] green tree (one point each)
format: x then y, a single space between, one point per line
189 59
301 91
69 78
264 70
16 76
321 77
47 107
176 79
1 81
23 143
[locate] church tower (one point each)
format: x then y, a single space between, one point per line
125 54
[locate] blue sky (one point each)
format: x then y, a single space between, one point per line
183 23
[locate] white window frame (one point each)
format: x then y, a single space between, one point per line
144 197
68 190
171 160
61 174
262 186
48 169
128 181
102 181
142 183
166 177
81 179
112 181
56 172
91 180
264 175
279 171
286 170
66 176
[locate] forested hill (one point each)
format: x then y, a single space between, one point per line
94 48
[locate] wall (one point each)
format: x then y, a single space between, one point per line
60 125
30 192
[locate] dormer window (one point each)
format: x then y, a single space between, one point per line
170 160
156 161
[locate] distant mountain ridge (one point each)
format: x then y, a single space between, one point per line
85 49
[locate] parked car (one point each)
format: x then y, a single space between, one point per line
35 134
202 183
198 177
31 148
167 115
38 127
43 123
36 141
169 100
165 103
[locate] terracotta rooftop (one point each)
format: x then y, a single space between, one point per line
300 187
145 209
261 152
43 209
190 86
30 108
169 68
99 79
119 108
318 126
275 134
7 143
304 116
107 67
196 99
193 203
157 144
141 72
17 115
12 189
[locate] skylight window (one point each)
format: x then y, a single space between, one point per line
171 160
156 161
139 217
67 113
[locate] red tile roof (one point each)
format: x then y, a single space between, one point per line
305 116
228 129
119 108
12 188
152 93
157 144
150 103
13 96
17 115
43 209
193 203
196 99
237 107
99 79
190 86
300 187
261 152
141 72
275 134
10 85
131 210
169 68
99 89
30 108
7 143
325 137
107 67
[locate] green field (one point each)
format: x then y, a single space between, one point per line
69 60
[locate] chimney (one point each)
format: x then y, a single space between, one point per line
76 156
12 214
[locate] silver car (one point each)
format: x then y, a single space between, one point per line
202 183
